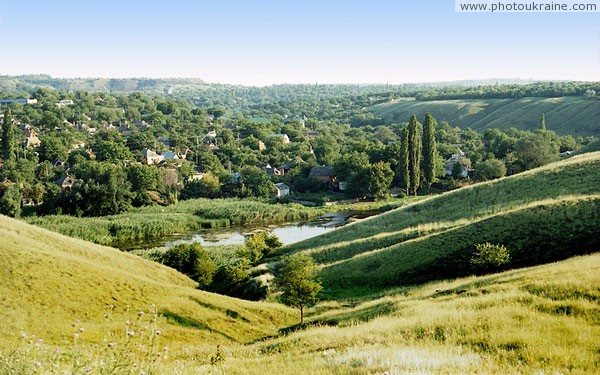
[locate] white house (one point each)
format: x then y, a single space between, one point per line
281 190
451 162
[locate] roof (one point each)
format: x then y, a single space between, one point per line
322 171
68 179
170 155
282 186
292 163
149 153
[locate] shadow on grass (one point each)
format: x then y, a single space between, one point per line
186 321
230 313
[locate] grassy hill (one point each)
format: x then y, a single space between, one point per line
542 215
543 319
52 285
565 115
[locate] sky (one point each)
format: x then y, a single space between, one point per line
256 42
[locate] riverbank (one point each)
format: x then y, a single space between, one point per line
185 217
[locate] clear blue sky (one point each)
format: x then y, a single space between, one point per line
304 41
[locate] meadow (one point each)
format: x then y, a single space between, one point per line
577 116
71 307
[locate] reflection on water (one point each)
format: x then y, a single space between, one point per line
287 233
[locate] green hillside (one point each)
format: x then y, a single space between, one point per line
565 115
543 319
546 214
48 281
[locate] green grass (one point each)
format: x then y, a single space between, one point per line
530 213
544 319
48 281
565 115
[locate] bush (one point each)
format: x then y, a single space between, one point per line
489 257
191 260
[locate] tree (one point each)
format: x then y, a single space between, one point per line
260 245
429 151
10 202
297 280
380 177
414 154
543 122
208 187
490 169
53 148
255 182
536 149
101 189
8 136
489 257
403 169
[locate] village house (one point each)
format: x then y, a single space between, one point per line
281 190
142 125
291 164
66 182
284 137
31 136
451 163
152 157
272 171
325 174
65 103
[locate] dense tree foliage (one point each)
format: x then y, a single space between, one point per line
210 147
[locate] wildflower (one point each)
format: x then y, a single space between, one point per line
38 364
76 335
158 332
165 349
23 335
105 316
130 333
111 344
140 314
81 329
127 322
40 341
158 354
56 351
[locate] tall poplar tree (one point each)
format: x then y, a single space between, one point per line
403 162
543 122
8 136
414 154
429 151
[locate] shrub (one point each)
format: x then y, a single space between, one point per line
191 260
489 257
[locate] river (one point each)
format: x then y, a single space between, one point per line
287 232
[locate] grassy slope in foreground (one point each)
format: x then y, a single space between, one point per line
565 115
530 213
543 319
47 281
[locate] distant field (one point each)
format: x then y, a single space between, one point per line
566 115
542 215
